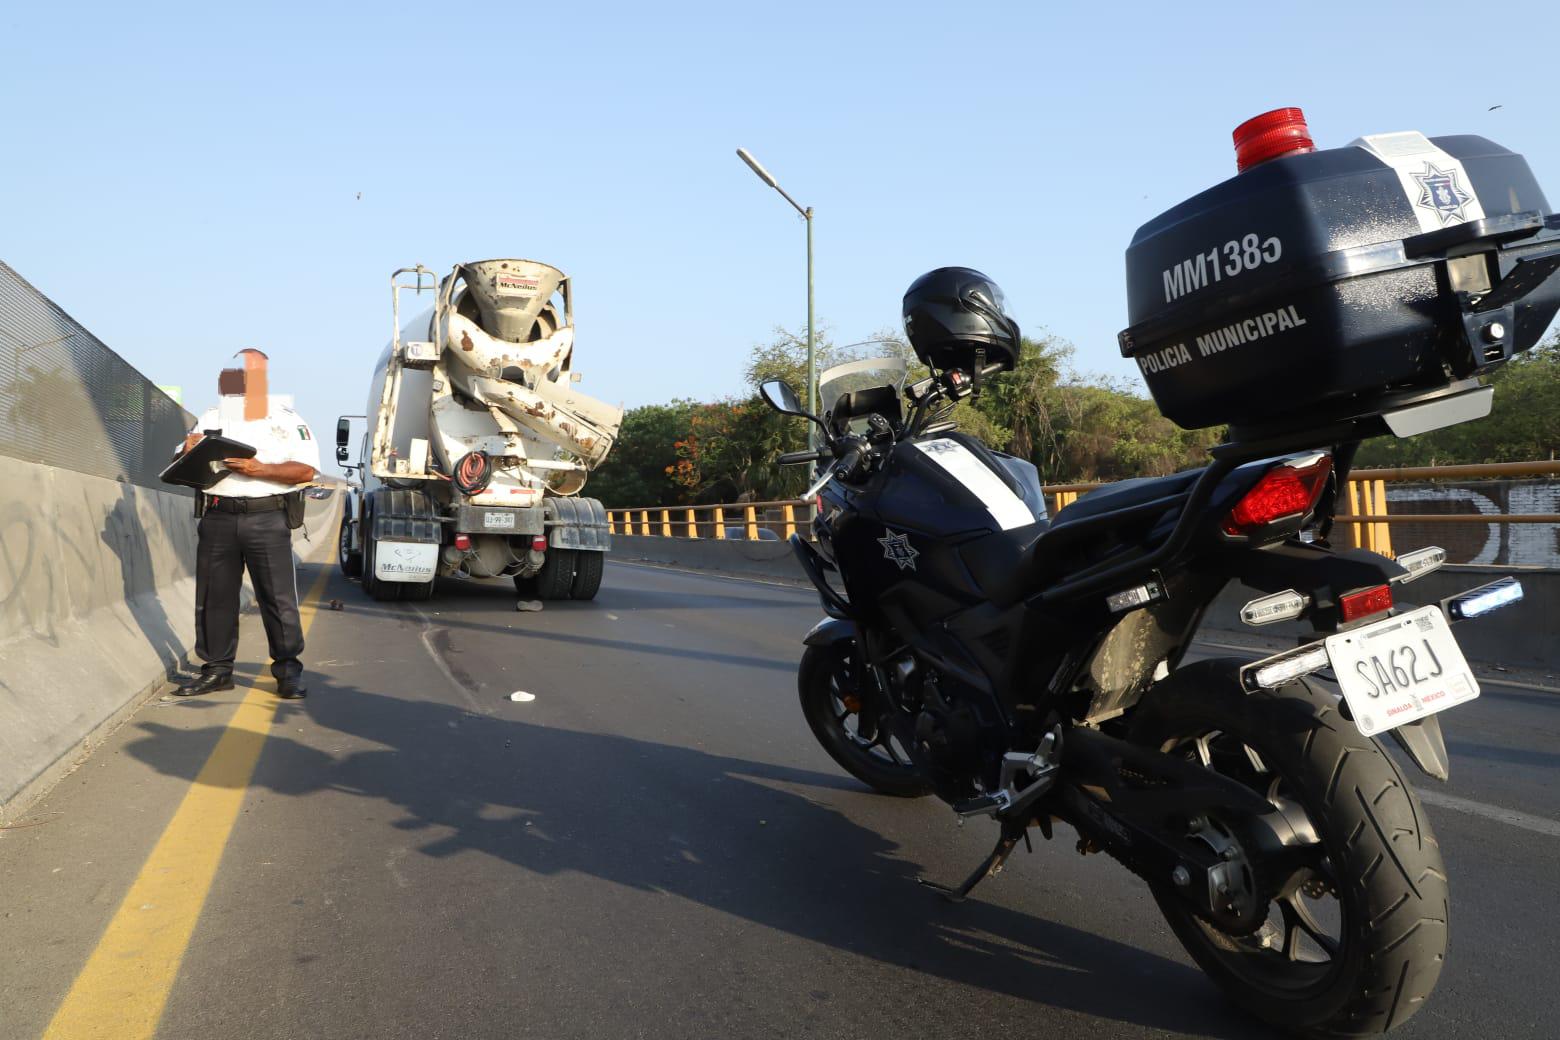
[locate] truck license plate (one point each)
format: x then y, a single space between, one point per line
1400 669
498 521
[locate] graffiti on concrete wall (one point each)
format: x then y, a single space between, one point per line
1533 545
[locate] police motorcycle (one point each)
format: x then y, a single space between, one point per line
1035 669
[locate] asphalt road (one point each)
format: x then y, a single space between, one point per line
655 847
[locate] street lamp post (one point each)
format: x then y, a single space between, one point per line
807 215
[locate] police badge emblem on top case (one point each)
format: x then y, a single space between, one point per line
1440 192
897 547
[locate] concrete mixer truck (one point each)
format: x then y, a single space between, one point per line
476 443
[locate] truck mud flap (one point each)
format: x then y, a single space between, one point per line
577 523
404 516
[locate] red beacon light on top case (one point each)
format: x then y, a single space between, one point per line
1270 135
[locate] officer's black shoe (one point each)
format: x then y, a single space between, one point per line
208 682
292 690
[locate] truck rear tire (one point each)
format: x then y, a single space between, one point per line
417 591
384 591
351 562
588 568
555 580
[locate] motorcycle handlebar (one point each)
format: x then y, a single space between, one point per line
796 458
850 460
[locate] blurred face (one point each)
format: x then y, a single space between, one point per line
248 382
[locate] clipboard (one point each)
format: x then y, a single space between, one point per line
201 466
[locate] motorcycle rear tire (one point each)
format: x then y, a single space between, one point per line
815 677
1386 869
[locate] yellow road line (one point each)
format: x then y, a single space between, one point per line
121 991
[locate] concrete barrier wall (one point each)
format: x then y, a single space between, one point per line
1528 545
97 605
1524 636
752 559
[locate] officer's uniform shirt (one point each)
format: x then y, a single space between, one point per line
282 436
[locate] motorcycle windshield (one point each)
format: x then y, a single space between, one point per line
859 375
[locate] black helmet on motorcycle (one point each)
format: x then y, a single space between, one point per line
952 312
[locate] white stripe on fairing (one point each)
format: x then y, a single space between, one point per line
1407 153
1005 507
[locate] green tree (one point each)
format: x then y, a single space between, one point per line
635 472
1523 424
785 358
729 449
1075 427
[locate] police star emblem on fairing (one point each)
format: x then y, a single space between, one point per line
897 547
1439 191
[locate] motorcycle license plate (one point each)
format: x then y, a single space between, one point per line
1400 669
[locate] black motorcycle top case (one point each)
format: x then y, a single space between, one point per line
1311 283
903 532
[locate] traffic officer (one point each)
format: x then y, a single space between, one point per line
244 524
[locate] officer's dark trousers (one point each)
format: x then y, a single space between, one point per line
229 542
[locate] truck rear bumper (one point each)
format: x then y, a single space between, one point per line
499 520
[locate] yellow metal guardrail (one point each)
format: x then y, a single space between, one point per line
1368 521
712 521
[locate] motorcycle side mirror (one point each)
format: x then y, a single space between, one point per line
777 393
779 396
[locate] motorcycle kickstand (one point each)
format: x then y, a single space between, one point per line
991 866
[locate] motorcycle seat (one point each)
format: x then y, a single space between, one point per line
1113 498
1014 564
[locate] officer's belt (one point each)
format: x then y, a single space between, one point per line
232 504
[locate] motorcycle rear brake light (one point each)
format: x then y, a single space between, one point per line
1484 599
1283 491
1365 602
463 542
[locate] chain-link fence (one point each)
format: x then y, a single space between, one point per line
67 400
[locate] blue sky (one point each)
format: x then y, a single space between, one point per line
183 178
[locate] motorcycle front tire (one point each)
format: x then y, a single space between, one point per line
828 674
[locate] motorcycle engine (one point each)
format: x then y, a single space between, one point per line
950 736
